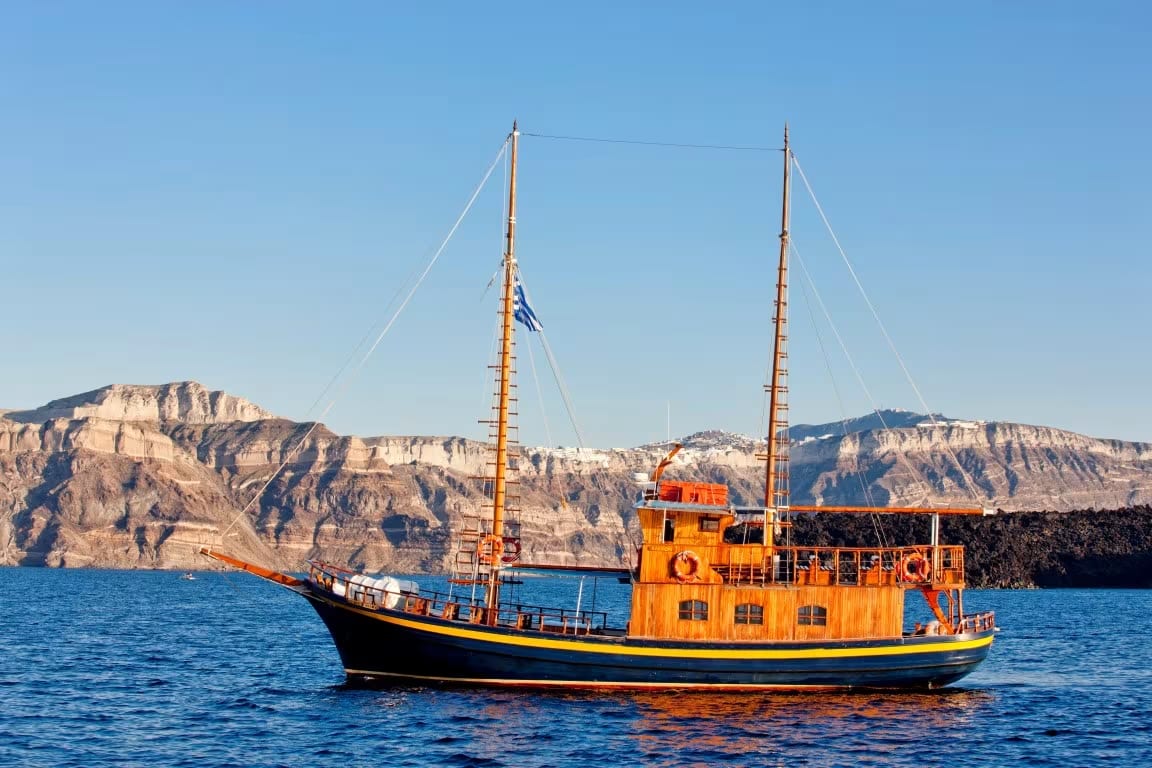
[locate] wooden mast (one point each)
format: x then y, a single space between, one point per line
776 482
499 491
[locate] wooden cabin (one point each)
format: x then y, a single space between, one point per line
693 585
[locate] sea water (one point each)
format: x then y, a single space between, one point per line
116 668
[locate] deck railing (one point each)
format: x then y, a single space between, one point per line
841 566
977 622
340 582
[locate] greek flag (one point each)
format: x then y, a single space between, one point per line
522 311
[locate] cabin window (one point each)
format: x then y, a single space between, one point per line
812 616
710 524
693 610
669 529
749 613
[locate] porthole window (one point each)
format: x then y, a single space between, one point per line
749 613
812 616
693 610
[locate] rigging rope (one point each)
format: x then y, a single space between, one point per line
856 371
555 371
539 395
544 418
379 338
970 485
864 488
804 288
678 145
563 389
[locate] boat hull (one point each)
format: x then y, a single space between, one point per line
391 647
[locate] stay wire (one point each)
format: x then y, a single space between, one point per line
970 485
677 145
359 345
544 419
915 477
379 338
804 288
539 394
864 489
564 394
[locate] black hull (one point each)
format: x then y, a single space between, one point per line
382 646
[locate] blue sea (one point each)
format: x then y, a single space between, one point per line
119 668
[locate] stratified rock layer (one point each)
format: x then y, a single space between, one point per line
142 476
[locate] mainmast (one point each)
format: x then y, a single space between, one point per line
776 485
495 547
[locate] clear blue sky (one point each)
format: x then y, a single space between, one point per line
233 192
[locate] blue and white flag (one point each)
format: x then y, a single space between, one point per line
522 311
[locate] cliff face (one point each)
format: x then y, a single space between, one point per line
1013 466
135 476
187 401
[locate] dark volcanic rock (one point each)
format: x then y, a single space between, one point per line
1083 548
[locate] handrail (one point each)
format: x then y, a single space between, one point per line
977 622
917 565
427 602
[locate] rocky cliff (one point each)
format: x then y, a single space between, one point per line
141 476
187 401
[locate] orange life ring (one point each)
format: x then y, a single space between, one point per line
685 566
915 568
490 548
511 549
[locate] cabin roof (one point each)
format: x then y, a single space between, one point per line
681 506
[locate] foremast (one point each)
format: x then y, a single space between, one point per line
776 489
494 548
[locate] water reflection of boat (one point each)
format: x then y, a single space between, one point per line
710 609
939 707
758 728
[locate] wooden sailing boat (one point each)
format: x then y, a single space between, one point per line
705 613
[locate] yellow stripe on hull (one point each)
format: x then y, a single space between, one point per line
623 649
587 685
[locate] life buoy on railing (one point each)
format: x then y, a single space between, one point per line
915 568
511 549
490 549
685 566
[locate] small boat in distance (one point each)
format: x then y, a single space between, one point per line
722 597
189 576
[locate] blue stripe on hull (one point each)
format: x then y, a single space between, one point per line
373 648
